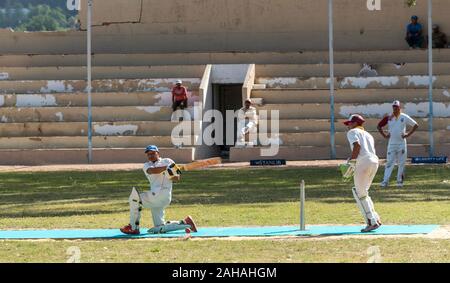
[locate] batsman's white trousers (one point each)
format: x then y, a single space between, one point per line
365 171
396 154
156 202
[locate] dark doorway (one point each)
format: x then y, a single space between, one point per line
227 97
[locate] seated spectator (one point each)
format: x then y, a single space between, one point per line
179 98
439 38
76 24
414 33
247 124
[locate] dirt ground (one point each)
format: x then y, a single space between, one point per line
138 166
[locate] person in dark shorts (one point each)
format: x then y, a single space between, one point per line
179 96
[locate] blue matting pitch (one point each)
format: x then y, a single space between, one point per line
268 231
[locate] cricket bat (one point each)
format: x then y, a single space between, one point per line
201 164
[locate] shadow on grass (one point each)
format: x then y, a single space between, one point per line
244 186
64 213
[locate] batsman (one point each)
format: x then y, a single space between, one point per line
161 173
365 169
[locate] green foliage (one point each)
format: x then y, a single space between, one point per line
36 15
411 3
12 15
27 3
294 250
44 18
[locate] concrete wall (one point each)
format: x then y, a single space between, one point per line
131 26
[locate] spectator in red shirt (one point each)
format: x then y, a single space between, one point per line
179 96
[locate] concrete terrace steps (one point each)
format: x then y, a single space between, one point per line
186 71
80 156
322 153
125 128
80 114
280 96
107 85
199 58
78 99
388 82
343 111
100 72
323 125
164 128
349 70
45 121
323 138
63 142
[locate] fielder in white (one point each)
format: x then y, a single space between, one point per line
397 151
363 150
247 124
161 173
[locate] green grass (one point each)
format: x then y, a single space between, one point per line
219 198
248 251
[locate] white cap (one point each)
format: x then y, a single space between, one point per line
396 103
179 82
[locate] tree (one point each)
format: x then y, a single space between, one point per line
26 15
12 15
411 3
44 18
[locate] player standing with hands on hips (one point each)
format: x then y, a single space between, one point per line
397 146
365 169
161 173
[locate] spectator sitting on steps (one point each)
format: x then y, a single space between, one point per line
439 38
78 25
179 99
247 125
414 33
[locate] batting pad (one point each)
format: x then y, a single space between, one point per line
209 232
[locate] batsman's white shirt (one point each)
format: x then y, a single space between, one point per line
159 182
366 141
397 127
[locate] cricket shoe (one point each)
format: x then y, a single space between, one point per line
129 230
370 228
189 221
